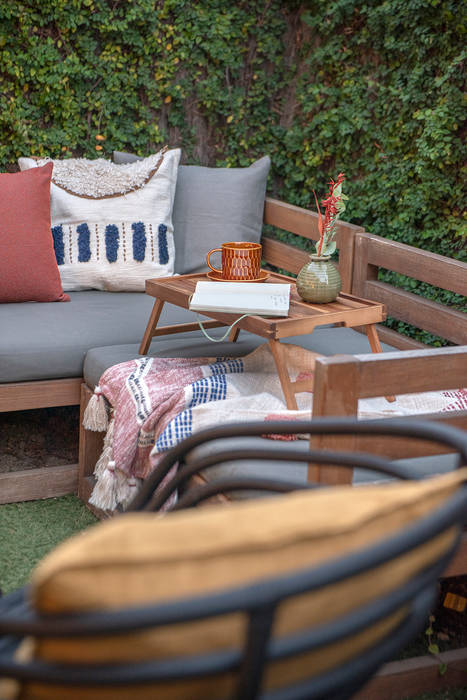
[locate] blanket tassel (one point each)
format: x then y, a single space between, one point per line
104 492
106 454
95 415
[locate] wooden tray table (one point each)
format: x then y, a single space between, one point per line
303 318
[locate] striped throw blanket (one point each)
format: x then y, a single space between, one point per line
148 405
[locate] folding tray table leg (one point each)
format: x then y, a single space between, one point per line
278 353
152 323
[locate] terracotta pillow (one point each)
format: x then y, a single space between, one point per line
28 268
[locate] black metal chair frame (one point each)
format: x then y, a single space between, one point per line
260 601
153 496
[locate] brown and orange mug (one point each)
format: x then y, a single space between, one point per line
240 261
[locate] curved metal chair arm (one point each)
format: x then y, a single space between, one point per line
149 499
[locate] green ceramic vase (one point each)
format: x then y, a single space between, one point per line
319 280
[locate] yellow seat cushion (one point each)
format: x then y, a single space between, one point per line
140 558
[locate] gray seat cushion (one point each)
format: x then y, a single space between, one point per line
325 341
182 345
50 341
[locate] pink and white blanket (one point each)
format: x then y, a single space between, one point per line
148 405
154 403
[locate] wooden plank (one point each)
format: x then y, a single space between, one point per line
185 327
335 394
362 271
420 312
298 220
458 565
283 255
32 484
410 372
419 264
397 340
345 239
20 396
289 217
152 323
410 677
405 448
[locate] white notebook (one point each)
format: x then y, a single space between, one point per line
242 298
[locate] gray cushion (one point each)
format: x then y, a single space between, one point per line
326 341
50 341
183 345
214 205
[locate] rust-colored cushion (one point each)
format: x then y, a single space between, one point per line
137 559
28 267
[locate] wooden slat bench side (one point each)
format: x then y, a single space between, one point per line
372 253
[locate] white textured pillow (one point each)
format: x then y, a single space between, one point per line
112 224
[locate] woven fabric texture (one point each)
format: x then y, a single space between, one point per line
28 269
117 235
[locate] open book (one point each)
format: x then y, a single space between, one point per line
242 298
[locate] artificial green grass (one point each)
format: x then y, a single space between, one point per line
28 531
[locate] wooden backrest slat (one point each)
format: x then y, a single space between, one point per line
283 256
416 371
422 265
342 380
303 222
300 221
396 373
420 312
397 340
405 448
289 217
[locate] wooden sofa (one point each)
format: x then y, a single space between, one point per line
360 255
21 395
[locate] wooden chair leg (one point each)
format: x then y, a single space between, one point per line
334 394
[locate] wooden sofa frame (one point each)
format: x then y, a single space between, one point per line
360 256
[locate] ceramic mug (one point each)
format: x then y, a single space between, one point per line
240 261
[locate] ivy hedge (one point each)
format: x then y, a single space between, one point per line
372 88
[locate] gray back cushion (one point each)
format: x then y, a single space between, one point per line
213 206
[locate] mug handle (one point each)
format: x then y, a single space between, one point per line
214 250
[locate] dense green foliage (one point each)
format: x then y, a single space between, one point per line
374 89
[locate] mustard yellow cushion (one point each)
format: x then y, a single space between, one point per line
141 558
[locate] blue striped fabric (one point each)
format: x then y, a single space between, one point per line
84 243
139 241
176 431
111 242
163 246
59 246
